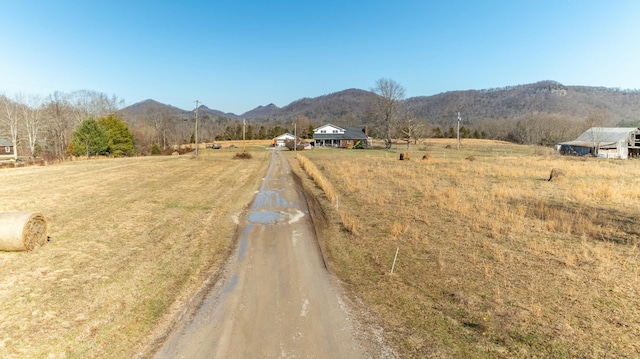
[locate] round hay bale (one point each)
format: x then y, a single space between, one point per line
20 231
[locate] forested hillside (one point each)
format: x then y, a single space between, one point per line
542 113
543 97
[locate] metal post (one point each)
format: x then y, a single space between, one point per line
394 260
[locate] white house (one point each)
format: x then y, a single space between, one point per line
333 136
281 140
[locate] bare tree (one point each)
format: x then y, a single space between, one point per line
497 129
183 130
207 128
31 113
58 114
412 129
302 125
92 104
160 120
386 102
543 129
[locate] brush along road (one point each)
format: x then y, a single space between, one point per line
277 299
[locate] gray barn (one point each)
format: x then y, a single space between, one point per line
605 142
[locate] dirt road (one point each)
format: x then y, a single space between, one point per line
276 299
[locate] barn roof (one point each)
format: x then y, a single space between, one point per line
602 136
4 142
606 134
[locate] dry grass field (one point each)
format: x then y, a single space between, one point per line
494 260
131 240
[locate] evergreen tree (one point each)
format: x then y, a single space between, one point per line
120 138
276 131
155 150
249 134
262 134
464 132
451 133
436 132
229 133
89 139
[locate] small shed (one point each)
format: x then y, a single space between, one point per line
6 147
605 142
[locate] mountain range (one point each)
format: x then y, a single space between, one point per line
350 106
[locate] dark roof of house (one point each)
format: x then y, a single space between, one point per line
4 142
350 133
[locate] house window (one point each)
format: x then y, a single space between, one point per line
323 131
335 131
7 149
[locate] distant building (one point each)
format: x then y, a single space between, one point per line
349 137
6 147
281 140
605 142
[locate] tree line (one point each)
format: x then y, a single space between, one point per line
44 126
89 123
393 119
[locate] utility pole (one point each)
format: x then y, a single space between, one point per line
459 119
295 136
244 128
196 130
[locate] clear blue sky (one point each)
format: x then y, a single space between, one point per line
234 55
